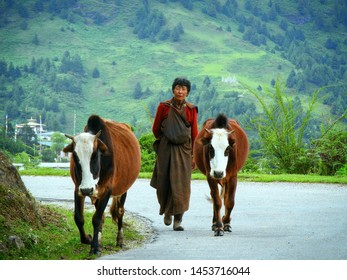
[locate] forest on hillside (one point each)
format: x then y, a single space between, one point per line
308 35
60 79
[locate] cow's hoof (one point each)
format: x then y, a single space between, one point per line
120 238
227 227
87 239
213 227
219 233
95 251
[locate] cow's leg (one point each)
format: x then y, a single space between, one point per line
97 221
79 218
117 211
229 202
101 223
217 225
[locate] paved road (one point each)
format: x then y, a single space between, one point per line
271 221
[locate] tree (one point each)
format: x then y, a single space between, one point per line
281 134
71 64
165 34
137 94
147 152
48 155
27 136
188 4
22 11
58 142
284 25
96 73
241 28
35 40
3 68
148 24
291 79
273 82
12 109
177 32
230 8
207 81
330 44
38 6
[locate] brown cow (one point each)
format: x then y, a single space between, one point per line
105 162
220 151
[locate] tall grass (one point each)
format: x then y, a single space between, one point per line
281 128
59 237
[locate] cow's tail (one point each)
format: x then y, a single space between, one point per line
117 208
222 192
114 209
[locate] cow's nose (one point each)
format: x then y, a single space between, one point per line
218 174
87 191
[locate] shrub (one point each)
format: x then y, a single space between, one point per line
148 155
332 150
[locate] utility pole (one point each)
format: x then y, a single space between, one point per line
6 126
40 134
74 122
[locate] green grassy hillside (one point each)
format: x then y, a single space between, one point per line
102 34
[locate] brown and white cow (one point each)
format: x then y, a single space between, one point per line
220 151
105 162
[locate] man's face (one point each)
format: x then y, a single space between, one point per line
180 93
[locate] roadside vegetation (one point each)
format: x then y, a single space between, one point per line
30 230
57 237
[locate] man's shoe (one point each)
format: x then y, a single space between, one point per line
167 219
178 228
177 223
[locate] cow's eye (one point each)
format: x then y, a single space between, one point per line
227 150
94 156
75 157
211 151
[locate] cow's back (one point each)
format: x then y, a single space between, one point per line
241 145
126 156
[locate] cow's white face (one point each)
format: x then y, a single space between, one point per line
219 152
85 149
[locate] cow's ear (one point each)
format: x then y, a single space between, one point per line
69 148
204 141
231 142
103 148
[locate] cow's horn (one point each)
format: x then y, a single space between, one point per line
231 132
98 134
208 131
68 136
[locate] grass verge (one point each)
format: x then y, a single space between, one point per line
243 177
293 178
58 237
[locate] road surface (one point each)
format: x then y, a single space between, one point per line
271 221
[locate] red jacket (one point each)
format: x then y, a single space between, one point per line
162 112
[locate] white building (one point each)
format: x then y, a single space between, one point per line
33 124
